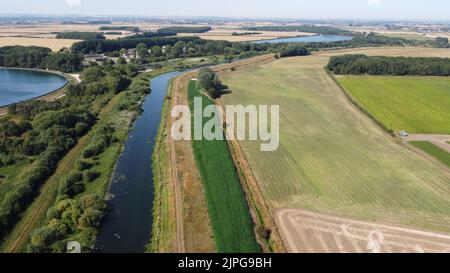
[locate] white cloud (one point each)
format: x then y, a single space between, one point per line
73 2
374 2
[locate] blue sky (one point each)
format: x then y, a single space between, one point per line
351 9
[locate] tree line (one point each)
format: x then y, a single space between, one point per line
201 29
77 35
124 28
39 57
396 66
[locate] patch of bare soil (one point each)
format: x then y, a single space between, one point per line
308 232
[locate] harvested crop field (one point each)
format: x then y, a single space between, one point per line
307 232
332 158
433 150
414 104
53 44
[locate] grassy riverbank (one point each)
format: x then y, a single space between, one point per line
229 213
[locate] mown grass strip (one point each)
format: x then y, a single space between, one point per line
433 150
228 210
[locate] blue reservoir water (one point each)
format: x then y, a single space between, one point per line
19 85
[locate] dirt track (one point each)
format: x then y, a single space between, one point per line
442 141
176 182
307 232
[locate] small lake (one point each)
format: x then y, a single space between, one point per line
127 229
308 39
18 85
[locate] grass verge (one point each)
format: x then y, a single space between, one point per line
228 210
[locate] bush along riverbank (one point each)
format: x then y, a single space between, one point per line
36 135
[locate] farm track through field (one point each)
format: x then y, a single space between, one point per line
176 182
35 213
442 141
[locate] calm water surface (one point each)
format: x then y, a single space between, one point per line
127 229
20 85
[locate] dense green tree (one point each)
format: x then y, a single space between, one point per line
209 81
142 50
441 42
157 51
294 50
92 74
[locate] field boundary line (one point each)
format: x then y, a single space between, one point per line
261 211
361 108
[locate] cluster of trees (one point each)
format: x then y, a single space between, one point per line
294 50
25 57
244 33
369 40
208 80
62 61
159 49
48 138
84 215
43 132
77 35
400 66
441 42
201 29
99 22
120 28
324 30
39 57
138 88
150 39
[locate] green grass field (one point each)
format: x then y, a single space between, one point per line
414 104
433 150
332 158
228 210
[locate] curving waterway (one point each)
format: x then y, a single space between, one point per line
17 85
127 229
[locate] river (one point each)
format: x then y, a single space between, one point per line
17 85
128 227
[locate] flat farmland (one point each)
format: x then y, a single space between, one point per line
332 158
226 34
306 232
53 44
433 150
414 104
